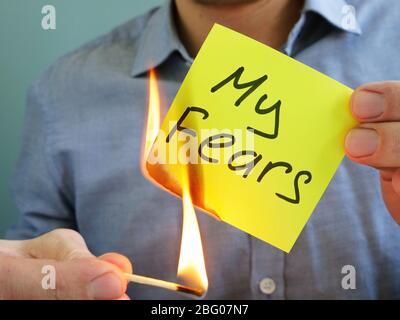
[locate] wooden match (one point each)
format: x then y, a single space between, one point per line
163 284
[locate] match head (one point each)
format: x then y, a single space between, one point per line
191 291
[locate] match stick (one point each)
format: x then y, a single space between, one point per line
163 284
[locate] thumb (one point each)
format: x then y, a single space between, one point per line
85 278
90 278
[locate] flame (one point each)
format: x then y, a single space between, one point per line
191 267
153 117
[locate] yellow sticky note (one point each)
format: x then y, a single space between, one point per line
259 135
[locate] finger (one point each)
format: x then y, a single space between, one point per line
92 278
59 244
387 174
375 144
119 260
391 194
376 102
88 278
396 183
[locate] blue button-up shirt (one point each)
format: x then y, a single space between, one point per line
80 163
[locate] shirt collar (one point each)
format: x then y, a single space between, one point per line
160 38
338 12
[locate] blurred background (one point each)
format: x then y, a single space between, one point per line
26 50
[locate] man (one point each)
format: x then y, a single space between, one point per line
80 163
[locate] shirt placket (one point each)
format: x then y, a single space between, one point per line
267 278
268 262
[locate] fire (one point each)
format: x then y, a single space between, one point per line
153 117
191 266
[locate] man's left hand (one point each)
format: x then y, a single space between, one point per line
376 140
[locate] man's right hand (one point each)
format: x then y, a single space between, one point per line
79 274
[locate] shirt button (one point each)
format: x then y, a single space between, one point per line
267 286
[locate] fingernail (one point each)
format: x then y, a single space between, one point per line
106 286
361 142
368 104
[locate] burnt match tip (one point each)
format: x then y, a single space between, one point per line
189 290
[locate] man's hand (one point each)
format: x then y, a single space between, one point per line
79 274
376 140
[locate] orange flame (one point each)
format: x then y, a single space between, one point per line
153 118
191 267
